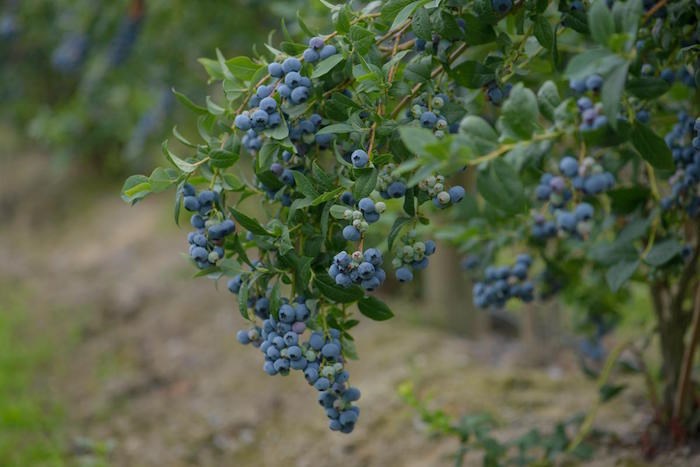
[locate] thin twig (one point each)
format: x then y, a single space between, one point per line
654 9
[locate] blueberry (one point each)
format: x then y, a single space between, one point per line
370 284
287 177
316 43
371 217
583 212
191 203
327 51
351 234
322 384
519 271
494 95
343 280
242 337
292 79
365 270
294 352
404 274
242 122
566 221
642 116
286 314
366 205
188 190
430 247
456 193
311 56
281 364
311 375
263 91
275 70
300 95
268 104
668 75
316 341
373 256
359 158
569 166
396 189
269 368
284 91
197 221
428 119
291 64
199 254
578 85
543 192
347 198
594 83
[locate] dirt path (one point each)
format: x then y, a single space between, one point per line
155 372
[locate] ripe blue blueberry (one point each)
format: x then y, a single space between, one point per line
359 158
275 70
502 6
268 104
428 119
594 83
327 51
583 212
430 247
351 234
396 189
569 166
291 64
404 274
242 122
300 95
456 193
366 205
311 56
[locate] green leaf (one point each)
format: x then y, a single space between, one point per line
186 167
342 25
243 68
472 74
478 32
419 71
647 88
392 8
405 13
304 185
325 66
189 104
243 301
663 252
422 27
544 32
600 22
611 93
375 309
338 211
161 179
519 113
652 147
334 292
365 182
482 136
214 108
619 274
135 188
591 61
548 99
399 224
361 39
327 196
249 223
500 186
222 158
337 128
415 139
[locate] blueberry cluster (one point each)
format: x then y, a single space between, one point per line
262 115
367 212
318 50
587 178
363 269
591 113
410 255
320 358
303 134
427 112
503 283
442 196
206 242
684 141
388 185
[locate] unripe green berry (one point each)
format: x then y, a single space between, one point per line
380 207
443 197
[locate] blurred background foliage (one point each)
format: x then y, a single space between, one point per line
91 80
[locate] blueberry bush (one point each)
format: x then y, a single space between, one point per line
323 161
